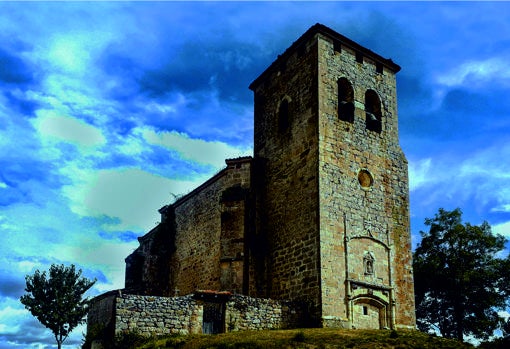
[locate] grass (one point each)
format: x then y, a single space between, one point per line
311 338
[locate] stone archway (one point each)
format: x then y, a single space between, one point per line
369 313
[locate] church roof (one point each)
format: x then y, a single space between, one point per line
336 37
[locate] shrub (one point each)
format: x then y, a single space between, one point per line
129 340
93 332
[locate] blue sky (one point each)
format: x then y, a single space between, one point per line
110 110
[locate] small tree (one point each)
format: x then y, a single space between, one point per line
56 301
459 281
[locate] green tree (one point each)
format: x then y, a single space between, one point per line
460 283
57 300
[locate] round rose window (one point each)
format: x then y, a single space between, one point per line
365 179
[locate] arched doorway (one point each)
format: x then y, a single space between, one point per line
369 313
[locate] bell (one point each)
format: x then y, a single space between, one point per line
372 116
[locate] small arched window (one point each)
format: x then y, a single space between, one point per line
373 111
283 116
345 100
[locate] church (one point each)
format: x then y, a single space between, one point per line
318 215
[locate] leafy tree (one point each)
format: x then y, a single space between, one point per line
499 342
56 301
460 283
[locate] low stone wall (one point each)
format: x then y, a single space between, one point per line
246 313
150 315
116 312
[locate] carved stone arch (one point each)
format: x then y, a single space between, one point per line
373 111
284 114
345 100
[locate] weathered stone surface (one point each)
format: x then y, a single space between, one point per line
335 193
200 241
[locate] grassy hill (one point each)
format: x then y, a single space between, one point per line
306 339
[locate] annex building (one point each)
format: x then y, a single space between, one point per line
318 217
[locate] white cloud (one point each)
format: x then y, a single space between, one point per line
74 52
419 173
20 329
161 108
69 53
502 229
9 313
198 150
96 253
131 195
476 181
504 314
68 129
501 208
476 71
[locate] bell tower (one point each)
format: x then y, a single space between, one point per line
332 193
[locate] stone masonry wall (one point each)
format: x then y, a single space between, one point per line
210 230
289 214
150 315
246 313
101 315
361 218
200 242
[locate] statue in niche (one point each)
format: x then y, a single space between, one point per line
368 264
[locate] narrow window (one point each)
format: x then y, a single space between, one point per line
359 57
373 111
379 68
345 100
337 47
365 310
283 116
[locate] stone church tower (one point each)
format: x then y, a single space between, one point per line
319 215
331 189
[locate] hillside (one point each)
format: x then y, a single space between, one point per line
307 339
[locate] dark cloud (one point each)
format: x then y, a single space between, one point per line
14 71
174 165
123 69
115 159
20 175
222 66
21 104
414 96
92 274
12 284
34 333
16 76
463 114
157 160
124 236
